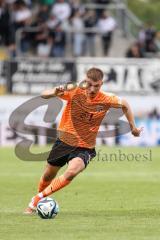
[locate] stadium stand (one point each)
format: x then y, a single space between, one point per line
49 28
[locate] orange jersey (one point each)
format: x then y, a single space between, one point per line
82 116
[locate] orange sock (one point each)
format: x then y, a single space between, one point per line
55 185
43 184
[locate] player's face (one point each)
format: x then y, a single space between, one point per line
93 87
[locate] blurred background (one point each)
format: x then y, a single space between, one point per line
50 42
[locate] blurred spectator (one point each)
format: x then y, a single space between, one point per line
43 13
76 5
90 21
47 2
22 18
59 41
40 40
44 49
106 25
150 33
147 37
78 37
28 3
39 37
52 22
5 24
141 35
21 14
99 11
157 41
61 10
11 2
154 114
135 51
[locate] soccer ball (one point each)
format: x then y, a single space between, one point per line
47 208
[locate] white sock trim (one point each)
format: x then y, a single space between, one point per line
40 195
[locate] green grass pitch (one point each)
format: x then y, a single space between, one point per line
113 200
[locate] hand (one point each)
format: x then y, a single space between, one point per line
137 131
59 90
67 87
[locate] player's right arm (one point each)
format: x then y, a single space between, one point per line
54 92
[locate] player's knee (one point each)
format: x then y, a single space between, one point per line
70 174
47 177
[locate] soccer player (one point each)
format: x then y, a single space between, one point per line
84 111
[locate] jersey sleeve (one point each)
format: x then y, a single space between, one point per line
114 101
68 95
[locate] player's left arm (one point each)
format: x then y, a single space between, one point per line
130 117
117 102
